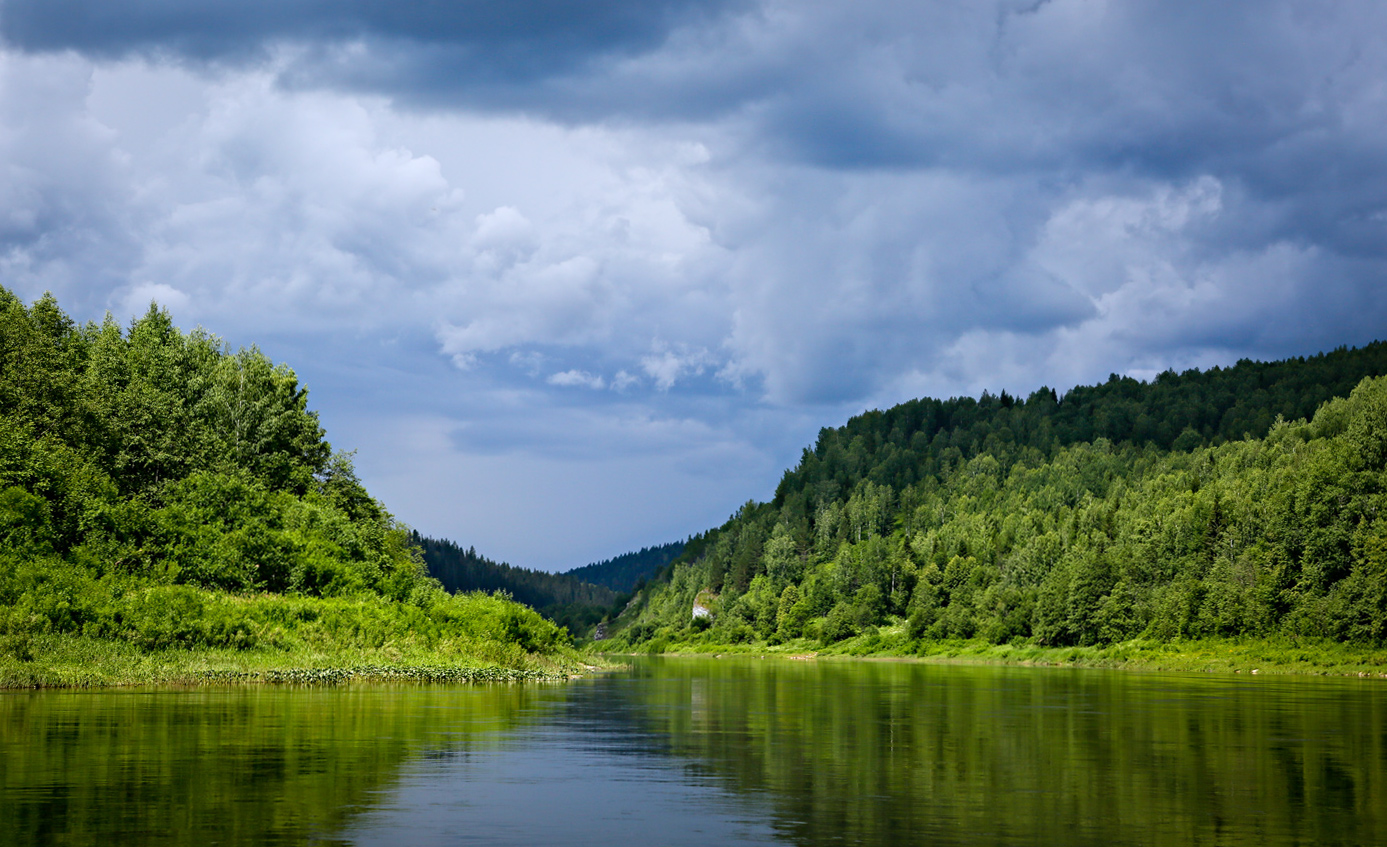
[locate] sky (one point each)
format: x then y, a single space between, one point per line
575 277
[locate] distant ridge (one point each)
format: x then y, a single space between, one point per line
577 599
622 573
466 570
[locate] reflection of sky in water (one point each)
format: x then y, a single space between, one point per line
583 778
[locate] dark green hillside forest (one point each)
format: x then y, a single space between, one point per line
623 573
1243 502
159 490
577 599
568 601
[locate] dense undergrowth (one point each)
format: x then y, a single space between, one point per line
162 494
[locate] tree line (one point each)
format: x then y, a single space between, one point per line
1028 522
147 475
623 573
467 570
577 599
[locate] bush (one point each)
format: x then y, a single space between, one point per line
840 623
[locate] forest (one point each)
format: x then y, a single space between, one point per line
561 597
626 572
1230 503
159 490
577 599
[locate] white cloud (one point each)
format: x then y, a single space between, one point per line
528 361
576 378
139 297
67 223
666 364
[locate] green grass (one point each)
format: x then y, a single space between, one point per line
1241 655
71 627
69 661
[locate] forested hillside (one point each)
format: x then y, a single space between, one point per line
160 490
1186 507
562 598
622 573
466 570
923 438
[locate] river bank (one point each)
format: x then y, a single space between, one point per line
62 661
1305 657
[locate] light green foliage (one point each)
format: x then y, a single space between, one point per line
159 489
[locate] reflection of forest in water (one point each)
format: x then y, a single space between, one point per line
825 752
882 753
249 765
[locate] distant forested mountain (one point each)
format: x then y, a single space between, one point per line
1247 500
621 573
562 597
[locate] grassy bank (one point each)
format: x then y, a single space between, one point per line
51 661
102 632
1311 657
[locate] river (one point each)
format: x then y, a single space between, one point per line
684 751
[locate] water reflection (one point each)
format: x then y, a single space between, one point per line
252 765
880 753
684 751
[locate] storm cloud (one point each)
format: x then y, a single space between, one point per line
655 246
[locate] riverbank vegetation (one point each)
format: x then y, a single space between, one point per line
1016 525
163 497
1306 657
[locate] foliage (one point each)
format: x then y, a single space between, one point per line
160 489
622 573
465 570
1086 543
925 438
577 600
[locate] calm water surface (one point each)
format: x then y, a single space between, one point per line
693 751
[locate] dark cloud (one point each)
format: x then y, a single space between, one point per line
516 39
594 212
1168 90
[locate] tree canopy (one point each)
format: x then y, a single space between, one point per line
145 462
622 573
1190 506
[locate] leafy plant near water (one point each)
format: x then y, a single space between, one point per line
161 490
1089 543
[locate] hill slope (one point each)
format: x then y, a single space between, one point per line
562 598
465 570
622 573
1064 521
